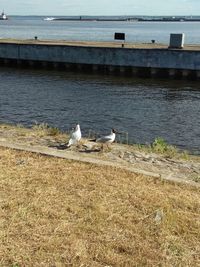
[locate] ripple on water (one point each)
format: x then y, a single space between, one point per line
144 108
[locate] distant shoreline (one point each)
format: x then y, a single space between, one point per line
137 19
126 19
129 18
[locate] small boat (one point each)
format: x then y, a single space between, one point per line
3 16
49 19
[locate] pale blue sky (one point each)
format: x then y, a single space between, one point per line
100 7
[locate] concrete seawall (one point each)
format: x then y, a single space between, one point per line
133 60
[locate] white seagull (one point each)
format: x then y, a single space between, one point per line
108 139
75 136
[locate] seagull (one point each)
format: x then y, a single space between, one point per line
75 136
108 139
104 140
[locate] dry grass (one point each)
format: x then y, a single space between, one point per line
56 212
37 134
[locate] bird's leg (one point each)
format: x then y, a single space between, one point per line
102 147
109 147
80 144
106 147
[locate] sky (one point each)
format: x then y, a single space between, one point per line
100 7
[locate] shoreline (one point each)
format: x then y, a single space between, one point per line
124 20
169 164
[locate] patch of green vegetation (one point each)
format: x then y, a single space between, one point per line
160 145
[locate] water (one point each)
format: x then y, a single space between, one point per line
28 27
144 108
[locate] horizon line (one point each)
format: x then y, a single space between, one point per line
172 15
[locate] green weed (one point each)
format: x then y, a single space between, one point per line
160 146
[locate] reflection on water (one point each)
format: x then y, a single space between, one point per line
144 108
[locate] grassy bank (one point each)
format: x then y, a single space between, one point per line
38 131
56 212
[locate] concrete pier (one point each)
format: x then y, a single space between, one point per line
143 60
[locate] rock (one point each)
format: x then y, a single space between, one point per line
159 216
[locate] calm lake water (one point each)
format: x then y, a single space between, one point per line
144 108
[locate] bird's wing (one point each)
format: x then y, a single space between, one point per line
75 137
104 139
